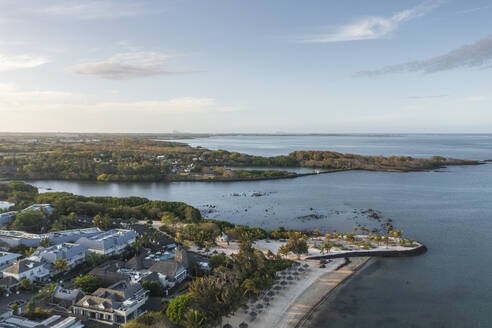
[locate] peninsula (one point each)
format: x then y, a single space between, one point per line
120 158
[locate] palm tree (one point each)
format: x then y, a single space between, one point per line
194 319
60 265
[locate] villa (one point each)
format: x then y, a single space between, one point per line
7 259
7 218
110 242
73 253
26 269
55 321
11 238
116 304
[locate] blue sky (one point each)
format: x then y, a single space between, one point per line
245 66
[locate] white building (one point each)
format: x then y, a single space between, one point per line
73 253
7 259
26 269
7 218
117 304
55 321
13 238
110 242
46 208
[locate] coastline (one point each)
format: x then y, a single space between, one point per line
351 270
292 307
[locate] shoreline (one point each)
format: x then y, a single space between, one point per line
289 176
356 269
292 307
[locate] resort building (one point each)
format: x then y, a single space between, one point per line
169 272
110 242
7 218
15 238
66 297
7 259
55 321
116 304
26 269
172 271
46 208
109 272
73 253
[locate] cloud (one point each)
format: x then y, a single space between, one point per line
127 66
12 99
476 55
427 97
373 27
101 9
8 63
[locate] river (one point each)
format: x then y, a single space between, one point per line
450 210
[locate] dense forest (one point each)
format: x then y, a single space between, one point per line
130 158
75 211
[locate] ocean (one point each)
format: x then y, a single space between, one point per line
449 210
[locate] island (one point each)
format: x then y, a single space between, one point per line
120 158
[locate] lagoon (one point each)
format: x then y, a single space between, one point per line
449 210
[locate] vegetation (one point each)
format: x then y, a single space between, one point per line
30 221
88 283
125 158
75 211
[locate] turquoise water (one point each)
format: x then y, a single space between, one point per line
450 210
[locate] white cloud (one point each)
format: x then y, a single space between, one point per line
373 27
12 99
8 63
127 66
90 9
477 54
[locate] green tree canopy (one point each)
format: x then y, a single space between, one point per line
30 221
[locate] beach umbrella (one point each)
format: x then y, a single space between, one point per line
253 314
289 278
296 273
259 306
270 293
227 326
283 282
301 270
243 325
306 265
244 307
277 288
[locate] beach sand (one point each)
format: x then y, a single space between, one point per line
291 305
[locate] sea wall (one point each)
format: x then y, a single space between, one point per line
378 253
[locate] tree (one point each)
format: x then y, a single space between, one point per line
327 246
30 221
296 244
217 260
30 306
15 308
250 288
194 319
45 242
103 222
154 287
88 283
217 295
25 284
60 265
178 307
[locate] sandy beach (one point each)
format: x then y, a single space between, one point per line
291 304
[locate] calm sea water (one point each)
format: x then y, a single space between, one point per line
450 210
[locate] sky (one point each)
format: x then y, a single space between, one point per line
256 66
